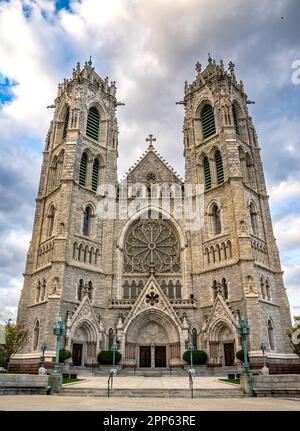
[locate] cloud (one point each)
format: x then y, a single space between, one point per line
149 47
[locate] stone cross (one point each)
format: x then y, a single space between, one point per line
150 139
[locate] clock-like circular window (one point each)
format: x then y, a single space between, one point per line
152 246
151 177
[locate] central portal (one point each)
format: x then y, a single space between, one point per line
145 356
160 356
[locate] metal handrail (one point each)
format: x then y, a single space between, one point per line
134 369
191 385
170 369
110 382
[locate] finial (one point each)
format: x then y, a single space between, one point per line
90 61
231 67
198 67
209 58
150 139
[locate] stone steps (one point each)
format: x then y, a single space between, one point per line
153 393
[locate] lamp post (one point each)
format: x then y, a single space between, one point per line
42 369
191 349
114 348
58 330
55 379
265 369
244 330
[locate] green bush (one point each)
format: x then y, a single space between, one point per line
64 354
199 357
240 355
106 357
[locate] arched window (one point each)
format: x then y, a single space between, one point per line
170 289
268 290
253 218
178 289
250 170
164 287
207 176
36 335
224 288
80 290
60 165
243 164
206 256
212 254
126 290
83 169
87 221
219 167
90 290
51 215
216 220
110 338
235 120
214 289
133 290
262 288
97 256
38 292
92 124
271 335
195 338
207 121
43 290
52 174
66 123
95 175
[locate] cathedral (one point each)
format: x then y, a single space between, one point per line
154 262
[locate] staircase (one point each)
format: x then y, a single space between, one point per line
230 392
153 372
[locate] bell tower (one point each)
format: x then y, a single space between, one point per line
235 253
80 153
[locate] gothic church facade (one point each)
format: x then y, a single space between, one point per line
153 284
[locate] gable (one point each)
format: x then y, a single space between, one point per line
151 163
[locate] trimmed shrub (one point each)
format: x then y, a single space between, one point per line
240 355
106 357
199 357
64 354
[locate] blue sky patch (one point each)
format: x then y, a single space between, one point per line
6 93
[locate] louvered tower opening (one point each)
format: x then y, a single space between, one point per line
83 170
208 121
235 121
66 123
95 175
219 167
92 125
207 177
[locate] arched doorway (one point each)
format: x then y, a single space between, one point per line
84 344
222 343
152 340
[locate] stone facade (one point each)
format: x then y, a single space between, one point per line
114 282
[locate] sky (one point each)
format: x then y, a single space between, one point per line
149 47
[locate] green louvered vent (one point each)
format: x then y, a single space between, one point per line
235 120
219 167
92 125
83 169
66 123
207 177
208 121
95 175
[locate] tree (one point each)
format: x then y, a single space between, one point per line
294 335
16 337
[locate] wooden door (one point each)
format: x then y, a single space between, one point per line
145 356
160 356
77 354
229 354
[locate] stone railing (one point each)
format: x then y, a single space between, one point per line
14 384
122 303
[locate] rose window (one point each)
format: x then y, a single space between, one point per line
152 246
